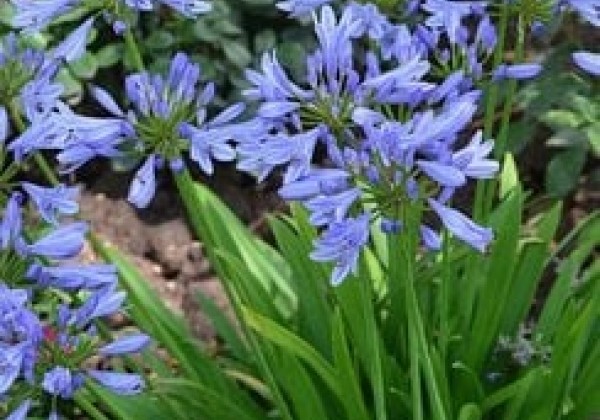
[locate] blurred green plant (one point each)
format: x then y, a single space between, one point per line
561 108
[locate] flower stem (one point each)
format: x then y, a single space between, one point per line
89 408
490 106
502 138
419 347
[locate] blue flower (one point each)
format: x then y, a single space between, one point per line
317 182
517 71
61 243
430 238
588 9
300 7
132 343
260 156
342 243
61 382
34 15
328 209
462 227
189 8
11 225
21 412
20 334
588 61
73 46
472 159
73 277
448 15
119 383
143 187
53 201
4 127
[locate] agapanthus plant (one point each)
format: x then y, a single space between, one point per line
50 305
390 127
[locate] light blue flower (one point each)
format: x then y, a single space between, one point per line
588 61
463 227
341 243
119 383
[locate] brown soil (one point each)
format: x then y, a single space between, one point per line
158 240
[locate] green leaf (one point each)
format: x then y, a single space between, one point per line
109 55
293 344
86 67
561 118
348 379
563 171
223 327
469 412
160 40
568 137
593 136
237 54
532 261
496 280
509 178
204 402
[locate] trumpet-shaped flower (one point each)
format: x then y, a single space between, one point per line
341 243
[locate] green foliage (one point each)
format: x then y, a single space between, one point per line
569 107
304 350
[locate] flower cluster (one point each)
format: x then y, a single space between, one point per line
35 15
376 131
49 306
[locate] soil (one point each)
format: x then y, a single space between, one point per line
158 240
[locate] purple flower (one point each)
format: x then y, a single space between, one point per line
472 159
317 182
260 156
517 71
73 47
120 383
588 61
11 361
11 224
73 277
327 209
61 382
342 243
21 412
124 345
143 187
462 227
4 128
20 334
448 15
53 201
587 9
444 174
430 238
189 8
61 243
103 302
34 15
300 7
